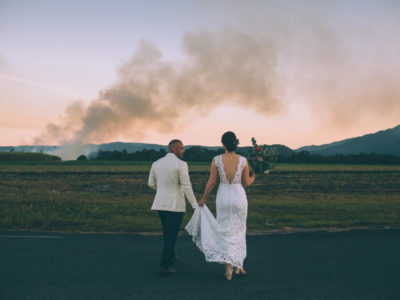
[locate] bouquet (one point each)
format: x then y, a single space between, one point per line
261 157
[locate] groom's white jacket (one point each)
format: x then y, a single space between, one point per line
169 176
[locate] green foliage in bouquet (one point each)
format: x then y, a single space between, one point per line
261 157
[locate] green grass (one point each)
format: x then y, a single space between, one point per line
324 210
113 196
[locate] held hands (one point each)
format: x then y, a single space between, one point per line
202 202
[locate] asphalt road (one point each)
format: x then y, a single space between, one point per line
363 264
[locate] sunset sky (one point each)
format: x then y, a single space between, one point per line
286 72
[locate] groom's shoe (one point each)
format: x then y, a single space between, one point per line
167 271
174 260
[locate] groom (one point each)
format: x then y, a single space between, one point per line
169 177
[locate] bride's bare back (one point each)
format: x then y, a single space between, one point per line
231 164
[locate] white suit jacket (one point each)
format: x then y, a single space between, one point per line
169 177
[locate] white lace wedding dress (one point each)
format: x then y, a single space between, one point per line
223 239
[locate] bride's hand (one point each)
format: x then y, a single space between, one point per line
202 202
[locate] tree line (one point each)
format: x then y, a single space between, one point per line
195 153
202 154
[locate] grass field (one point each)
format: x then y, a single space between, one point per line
143 166
113 196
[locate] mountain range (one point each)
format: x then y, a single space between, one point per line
381 142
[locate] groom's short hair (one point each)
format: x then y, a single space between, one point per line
172 144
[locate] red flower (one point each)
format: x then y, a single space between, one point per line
258 149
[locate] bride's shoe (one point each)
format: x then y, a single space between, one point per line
228 273
238 271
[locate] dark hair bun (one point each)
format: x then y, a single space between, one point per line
230 141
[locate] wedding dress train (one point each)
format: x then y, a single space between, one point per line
223 239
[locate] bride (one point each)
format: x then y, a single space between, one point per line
223 240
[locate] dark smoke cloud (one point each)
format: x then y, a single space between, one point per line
225 67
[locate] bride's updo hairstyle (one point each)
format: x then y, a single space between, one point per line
230 141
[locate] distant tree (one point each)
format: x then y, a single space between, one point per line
198 153
82 157
12 150
162 152
284 154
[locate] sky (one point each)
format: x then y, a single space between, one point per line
285 72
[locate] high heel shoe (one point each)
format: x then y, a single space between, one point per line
228 275
238 271
228 272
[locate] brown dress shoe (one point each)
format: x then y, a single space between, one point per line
167 271
174 260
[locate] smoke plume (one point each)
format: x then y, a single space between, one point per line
225 67
342 67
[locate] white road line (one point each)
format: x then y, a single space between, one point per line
32 236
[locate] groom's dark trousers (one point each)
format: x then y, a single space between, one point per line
171 222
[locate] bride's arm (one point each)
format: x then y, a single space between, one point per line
247 179
210 184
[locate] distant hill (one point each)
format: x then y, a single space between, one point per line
282 150
382 142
